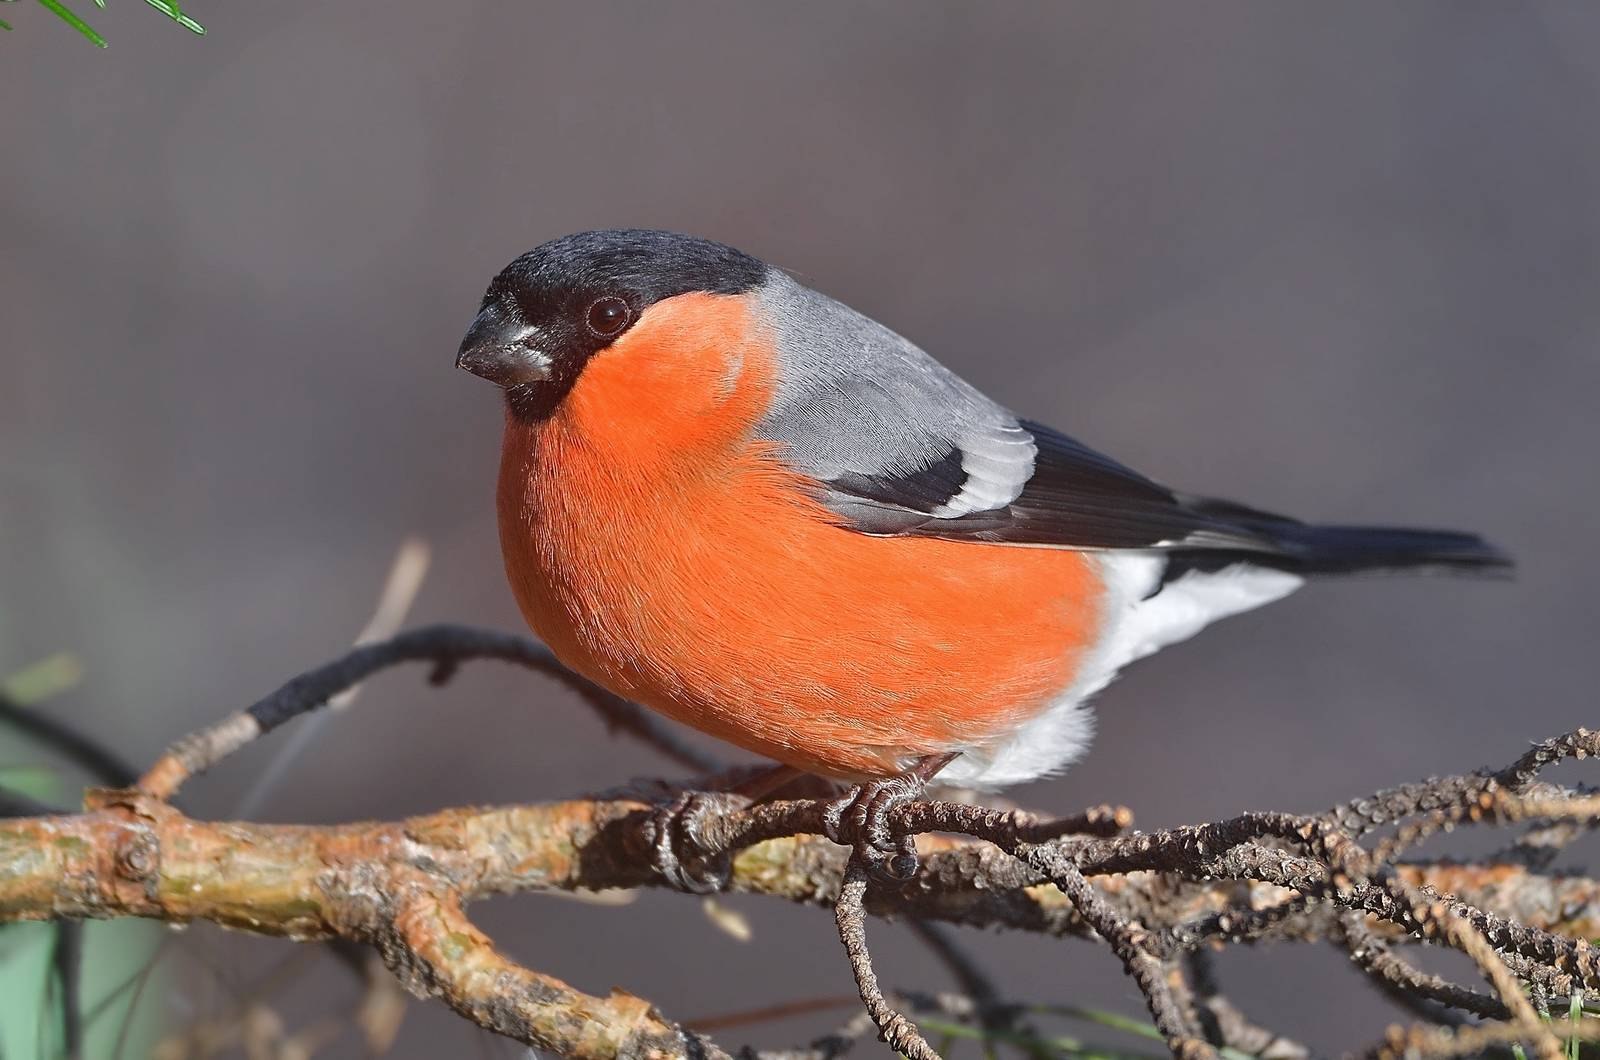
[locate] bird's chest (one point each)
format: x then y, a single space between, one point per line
720 593
629 573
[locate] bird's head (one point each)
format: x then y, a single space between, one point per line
551 310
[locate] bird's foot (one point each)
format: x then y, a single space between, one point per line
680 848
860 820
685 847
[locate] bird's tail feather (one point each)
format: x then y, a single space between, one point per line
1306 548
1349 549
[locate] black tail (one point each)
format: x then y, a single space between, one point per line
1304 548
1348 549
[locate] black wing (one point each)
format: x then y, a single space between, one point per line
1071 497
1076 497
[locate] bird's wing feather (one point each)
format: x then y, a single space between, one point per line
898 444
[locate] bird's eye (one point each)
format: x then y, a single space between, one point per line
608 316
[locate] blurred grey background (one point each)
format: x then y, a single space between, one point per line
1339 260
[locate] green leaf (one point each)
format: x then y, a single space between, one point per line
4 24
61 11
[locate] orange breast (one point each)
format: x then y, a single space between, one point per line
662 552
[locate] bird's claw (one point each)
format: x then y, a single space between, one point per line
860 820
680 849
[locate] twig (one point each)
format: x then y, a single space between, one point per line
828 1047
768 1013
133 855
1403 982
446 647
398 593
100 762
1437 1043
66 963
66 955
1227 1025
851 917
993 1015
1164 990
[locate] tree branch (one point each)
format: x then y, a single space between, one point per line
1154 898
399 886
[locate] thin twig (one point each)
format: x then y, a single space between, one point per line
398 593
969 976
1163 987
100 762
1402 981
1230 1027
894 1027
446 647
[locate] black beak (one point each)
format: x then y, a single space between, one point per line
503 351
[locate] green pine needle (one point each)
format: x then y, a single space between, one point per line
1059 1045
169 8
61 11
48 677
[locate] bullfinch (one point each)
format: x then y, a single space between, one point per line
743 504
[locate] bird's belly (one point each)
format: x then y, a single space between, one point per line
766 625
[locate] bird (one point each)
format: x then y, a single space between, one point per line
737 501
